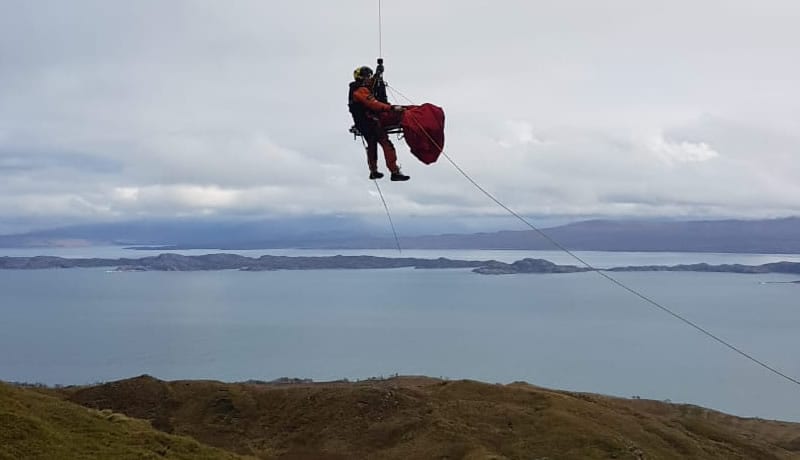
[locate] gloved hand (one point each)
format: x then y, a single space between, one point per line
398 108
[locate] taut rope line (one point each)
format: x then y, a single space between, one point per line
600 272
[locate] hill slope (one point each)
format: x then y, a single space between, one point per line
407 417
38 426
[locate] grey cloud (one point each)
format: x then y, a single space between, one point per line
569 108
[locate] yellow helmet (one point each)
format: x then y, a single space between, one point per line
362 73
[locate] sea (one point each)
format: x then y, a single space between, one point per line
576 332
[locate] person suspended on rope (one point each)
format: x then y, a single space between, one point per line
366 108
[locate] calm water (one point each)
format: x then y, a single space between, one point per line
569 331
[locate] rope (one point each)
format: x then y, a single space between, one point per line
385 206
598 271
396 240
380 34
394 90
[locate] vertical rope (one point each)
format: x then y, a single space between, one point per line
385 206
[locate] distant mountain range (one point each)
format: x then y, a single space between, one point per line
268 233
743 236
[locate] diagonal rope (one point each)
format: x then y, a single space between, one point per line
598 271
394 90
385 206
394 232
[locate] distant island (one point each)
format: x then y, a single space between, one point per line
177 262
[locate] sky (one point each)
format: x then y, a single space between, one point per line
114 110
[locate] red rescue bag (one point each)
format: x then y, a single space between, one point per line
423 130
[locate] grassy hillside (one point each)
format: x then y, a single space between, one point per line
38 426
406 417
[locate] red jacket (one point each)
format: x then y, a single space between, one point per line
364 97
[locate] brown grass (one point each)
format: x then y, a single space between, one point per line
38 426
410 417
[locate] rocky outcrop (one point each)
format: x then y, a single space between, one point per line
526 266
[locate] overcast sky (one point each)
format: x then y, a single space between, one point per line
154 108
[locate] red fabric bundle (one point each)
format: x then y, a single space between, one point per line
423 130
390 119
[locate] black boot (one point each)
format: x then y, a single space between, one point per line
375 175
398 176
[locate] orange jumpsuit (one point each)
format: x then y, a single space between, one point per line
363 96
